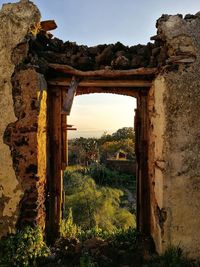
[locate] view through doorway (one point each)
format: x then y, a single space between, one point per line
100 181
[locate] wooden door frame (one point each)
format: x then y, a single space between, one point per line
142 173
55 187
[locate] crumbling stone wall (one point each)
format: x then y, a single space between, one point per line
22 121
174 159
173 110
27 141
173 162
45 49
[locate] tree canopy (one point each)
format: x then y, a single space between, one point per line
85 151
94 206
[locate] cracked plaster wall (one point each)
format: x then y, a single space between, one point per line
174 158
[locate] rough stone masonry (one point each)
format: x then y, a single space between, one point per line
173 119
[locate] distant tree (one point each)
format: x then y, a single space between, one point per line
123 133
83 151
105 138
93 205
120 134
109 149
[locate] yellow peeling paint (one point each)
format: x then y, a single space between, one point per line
41 137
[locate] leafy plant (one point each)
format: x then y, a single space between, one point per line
68 228
110 148
85 151
105 176
173 257
23 248
128 238
87 261
93 205
94 232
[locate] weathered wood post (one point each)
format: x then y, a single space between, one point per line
143 191
55 179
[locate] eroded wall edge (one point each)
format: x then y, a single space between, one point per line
16 20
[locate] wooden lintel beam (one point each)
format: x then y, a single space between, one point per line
102 83
102 73
69 97
129 91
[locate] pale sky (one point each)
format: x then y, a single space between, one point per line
93 22
96 113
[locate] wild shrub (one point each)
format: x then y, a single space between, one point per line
23 248
94 232
173 257
68 228
87 261
93 205
106 177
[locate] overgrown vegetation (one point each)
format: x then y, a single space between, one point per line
99 225
123 248
84 151
68 228
173 257
93 205
23 248
106 177
90 248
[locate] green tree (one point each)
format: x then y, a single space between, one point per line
123 133
95 206
83 151
68 228
110 148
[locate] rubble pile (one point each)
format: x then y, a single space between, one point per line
44 50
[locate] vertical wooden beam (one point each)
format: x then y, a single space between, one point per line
64 134
55 181
137 126
67 148
48 185
143 215
64 142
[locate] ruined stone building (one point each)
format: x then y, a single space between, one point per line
40 74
